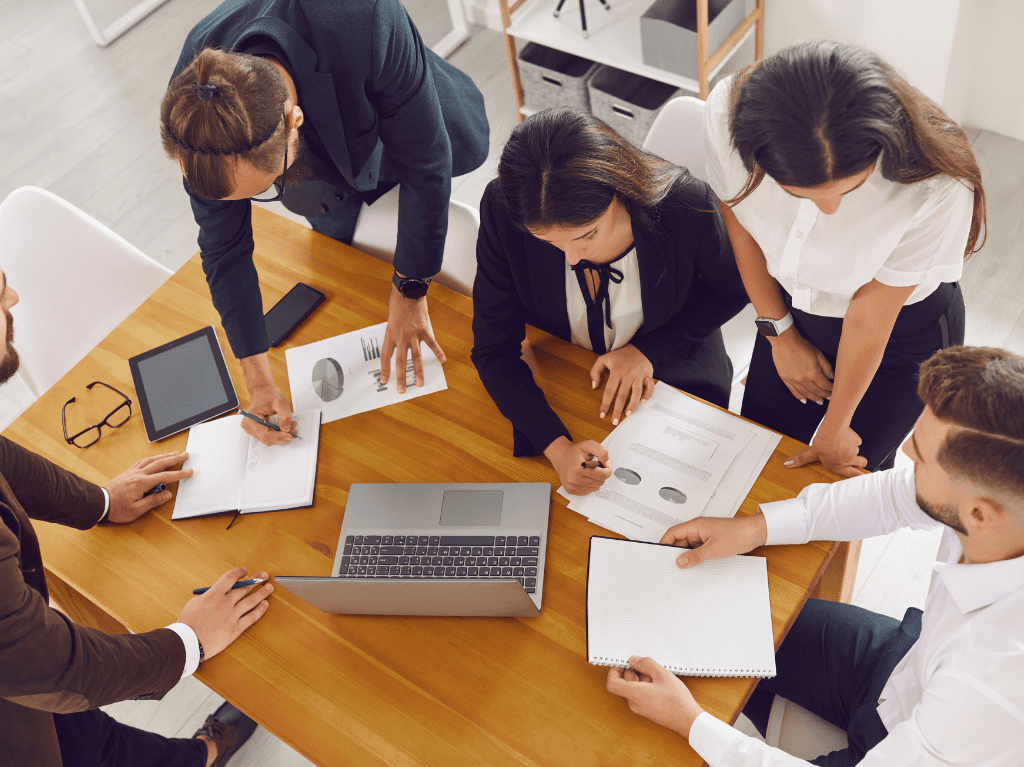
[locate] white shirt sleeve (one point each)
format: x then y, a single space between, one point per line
848 510
106 505
191 642
954 725
720 155
932 249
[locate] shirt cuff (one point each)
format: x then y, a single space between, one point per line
106 506
191 642
712 738
786 521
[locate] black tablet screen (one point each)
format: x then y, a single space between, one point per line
181 382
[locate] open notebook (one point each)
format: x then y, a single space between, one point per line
236 472
710 620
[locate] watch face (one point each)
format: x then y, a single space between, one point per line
766 327
414 289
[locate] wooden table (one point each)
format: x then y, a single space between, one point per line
378 690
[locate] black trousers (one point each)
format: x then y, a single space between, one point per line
94 739
704 372
835 662
890 405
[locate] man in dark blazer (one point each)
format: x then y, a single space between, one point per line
55 674
376 108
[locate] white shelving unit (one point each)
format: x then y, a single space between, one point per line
615 38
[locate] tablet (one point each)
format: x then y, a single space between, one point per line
182 383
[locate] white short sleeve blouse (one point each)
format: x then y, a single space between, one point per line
898 234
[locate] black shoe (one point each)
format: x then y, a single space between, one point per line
228 728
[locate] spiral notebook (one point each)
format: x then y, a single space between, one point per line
714 619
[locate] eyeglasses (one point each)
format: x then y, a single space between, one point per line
278 185
116 417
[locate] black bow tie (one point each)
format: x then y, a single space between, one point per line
606 274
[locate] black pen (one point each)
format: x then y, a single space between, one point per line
593 463
153 491
238 585
268 424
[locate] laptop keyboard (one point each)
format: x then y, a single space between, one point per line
463 557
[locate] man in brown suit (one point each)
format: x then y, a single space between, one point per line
55 674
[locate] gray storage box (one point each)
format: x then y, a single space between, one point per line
668 32
553 78
627 102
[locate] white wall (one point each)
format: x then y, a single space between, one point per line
915 36
986 83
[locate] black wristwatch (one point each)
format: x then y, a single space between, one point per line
411 287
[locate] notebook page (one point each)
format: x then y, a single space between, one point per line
216 454
282 476
710 620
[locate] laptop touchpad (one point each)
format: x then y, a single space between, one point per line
469 508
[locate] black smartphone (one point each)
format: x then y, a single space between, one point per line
288 313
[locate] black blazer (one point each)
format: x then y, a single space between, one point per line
689 286
371 90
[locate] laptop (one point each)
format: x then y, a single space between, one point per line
436 549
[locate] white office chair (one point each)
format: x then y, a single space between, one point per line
800 733
678 135
377 234
77 281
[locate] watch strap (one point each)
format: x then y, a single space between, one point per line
770 327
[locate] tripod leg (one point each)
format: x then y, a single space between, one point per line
583 20
558 10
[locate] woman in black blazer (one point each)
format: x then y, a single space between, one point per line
608 246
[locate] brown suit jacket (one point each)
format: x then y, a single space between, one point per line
47 663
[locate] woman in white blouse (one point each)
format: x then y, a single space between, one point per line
607 246
851 201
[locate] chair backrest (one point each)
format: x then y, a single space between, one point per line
678 135
77 281
376 233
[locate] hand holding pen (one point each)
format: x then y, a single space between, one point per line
582 466
222 613
268 424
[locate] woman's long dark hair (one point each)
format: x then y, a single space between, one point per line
820 111
563 167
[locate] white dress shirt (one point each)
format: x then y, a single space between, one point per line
185 633
898 234
627 311
957 697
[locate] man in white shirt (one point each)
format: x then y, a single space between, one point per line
954 695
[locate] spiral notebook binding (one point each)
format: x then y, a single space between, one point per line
743 672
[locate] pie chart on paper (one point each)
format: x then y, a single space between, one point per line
328 379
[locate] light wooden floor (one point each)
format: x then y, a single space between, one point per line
81 121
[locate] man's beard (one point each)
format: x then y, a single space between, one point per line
300 167
9 365
945 514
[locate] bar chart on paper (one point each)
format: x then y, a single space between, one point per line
342 375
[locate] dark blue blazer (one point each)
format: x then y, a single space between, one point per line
369 87
689 286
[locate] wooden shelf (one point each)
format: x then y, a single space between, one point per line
614 36
615 39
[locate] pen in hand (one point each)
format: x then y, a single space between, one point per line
238 585
593 463
268 424
154 490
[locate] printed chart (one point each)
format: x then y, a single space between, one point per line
341 375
